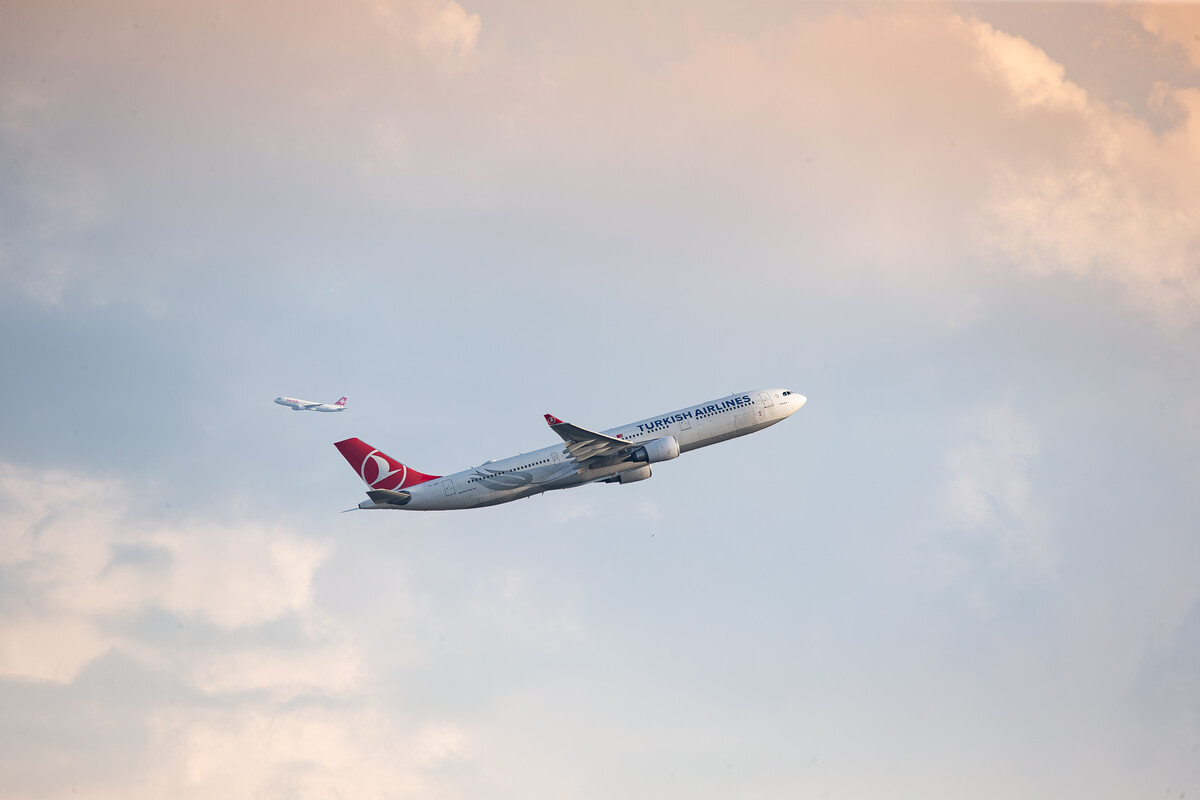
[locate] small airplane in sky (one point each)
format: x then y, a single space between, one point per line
617 455
308 405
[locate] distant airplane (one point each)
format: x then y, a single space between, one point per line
618 455
308 405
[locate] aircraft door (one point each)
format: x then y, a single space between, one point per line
449 486
761 413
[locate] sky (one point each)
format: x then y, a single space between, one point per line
968 233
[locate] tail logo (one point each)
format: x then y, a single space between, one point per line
376 465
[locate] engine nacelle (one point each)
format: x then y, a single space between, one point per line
656 450
634 475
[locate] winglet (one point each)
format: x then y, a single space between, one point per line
552 420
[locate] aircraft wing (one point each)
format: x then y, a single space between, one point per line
584 445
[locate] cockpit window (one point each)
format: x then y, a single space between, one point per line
785 394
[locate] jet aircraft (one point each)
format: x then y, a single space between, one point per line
617 455
309 405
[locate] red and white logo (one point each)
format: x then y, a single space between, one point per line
377 469
379 472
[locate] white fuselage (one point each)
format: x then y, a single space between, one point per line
551 468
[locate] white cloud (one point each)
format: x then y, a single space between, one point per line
988 494
297 752
269 694
328 669
907 141
1032 78
1119 202
448 26
82 565
435 25
49 646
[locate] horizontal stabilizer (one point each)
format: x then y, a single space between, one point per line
383 497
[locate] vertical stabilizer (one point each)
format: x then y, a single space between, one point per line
377 469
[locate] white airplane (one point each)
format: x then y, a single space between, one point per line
617 455
308 405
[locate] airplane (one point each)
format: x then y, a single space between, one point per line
308 405
618 455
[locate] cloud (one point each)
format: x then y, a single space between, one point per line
989 496
1119 202
332 667
263 689
83 569
1175 23
435 25
307 81
297 752
231 679
1032 79
910 143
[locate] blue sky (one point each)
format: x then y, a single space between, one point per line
970 234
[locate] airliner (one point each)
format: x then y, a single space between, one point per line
618 455
309 405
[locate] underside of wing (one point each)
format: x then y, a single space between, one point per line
588 446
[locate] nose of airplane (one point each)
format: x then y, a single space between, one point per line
795 401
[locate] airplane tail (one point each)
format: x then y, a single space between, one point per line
341 402
377 469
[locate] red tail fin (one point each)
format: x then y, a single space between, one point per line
341 402
379 470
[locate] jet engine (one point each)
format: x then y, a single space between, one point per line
656 450
631 476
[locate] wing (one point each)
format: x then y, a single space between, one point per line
588 447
